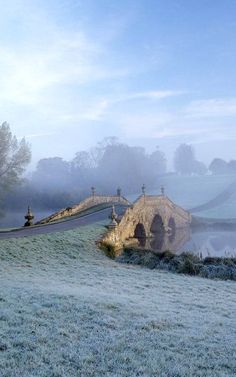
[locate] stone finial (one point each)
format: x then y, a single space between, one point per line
93 190
113 213
119 192
162 190
29 217
143 189
113 218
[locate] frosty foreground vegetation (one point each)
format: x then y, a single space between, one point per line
67 310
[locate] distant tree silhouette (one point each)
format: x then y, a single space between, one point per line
184 159
157 162
232 166
199 168
219 166
185 162
52 173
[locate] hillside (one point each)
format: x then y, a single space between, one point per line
67 310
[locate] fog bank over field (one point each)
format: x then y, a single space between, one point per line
112 165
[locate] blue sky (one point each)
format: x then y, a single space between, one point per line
153 73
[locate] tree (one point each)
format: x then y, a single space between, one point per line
219 166
157 162
232 166
199 168
82 161
52 173
184 159
14 157
185 162
96 153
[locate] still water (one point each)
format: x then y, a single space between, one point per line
204 243
213 243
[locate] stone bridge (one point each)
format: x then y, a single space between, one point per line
147 217
89 202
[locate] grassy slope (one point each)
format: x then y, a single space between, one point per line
67 310
225 210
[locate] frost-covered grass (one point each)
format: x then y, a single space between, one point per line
67 310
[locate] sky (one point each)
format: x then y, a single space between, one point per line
151 72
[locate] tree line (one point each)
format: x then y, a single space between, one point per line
185 163
56 183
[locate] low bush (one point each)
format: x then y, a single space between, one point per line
109 249
185 263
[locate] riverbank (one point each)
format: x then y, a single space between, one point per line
185 263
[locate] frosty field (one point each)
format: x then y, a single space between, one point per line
67 310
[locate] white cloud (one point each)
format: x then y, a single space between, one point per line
100 108
200 120
152 95
211 108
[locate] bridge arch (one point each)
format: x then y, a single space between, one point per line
140 234
157 225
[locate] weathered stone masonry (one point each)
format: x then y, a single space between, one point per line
90 202
143 212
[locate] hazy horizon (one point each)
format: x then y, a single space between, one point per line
152 73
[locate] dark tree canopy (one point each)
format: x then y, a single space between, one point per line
184 159
14 157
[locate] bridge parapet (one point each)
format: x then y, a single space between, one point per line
87 203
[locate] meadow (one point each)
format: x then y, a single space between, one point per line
66 310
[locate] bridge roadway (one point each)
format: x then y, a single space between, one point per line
61 226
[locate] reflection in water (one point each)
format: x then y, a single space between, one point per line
157 225
158 241
172 229
166 241
140 234
16 219
212 243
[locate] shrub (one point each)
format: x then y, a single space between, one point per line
109 249
185 263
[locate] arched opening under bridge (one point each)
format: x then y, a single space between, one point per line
158 233
140 234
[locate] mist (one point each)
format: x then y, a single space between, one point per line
120 96
117 188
